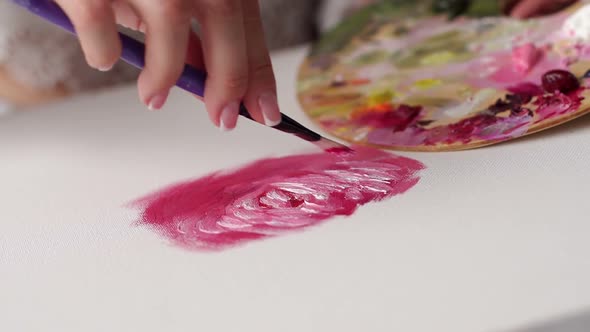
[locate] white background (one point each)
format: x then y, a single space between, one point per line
490 240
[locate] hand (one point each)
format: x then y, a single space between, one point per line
532 8
232 50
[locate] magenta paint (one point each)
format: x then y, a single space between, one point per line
397 118
526 88
274 197
557 104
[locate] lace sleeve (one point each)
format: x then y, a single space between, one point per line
40 55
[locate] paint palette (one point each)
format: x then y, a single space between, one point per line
398 77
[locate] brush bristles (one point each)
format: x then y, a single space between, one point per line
331 146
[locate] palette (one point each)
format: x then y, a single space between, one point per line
396 76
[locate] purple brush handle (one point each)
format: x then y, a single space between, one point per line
191 79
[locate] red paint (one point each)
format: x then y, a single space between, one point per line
558 104
275 196
560 80
408 130
510 117
398 118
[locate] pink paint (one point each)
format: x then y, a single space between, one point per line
275 196
501 72
526 89
525 57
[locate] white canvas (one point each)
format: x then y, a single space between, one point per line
490 240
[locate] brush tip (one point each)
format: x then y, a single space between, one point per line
333 147
344 150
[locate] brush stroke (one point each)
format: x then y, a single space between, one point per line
274 196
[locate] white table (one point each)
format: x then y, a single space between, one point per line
495 239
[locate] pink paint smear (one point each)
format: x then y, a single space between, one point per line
526 63
274 197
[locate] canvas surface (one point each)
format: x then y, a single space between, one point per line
489 240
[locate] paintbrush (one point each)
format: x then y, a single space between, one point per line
191 80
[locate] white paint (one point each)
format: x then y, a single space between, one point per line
470 105
577 26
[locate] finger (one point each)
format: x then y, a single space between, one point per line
224 45
261 96
167 32
531 8
557 5
194 54
527 8
508 5
95 26
127 16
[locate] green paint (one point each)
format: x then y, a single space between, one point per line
339 37
474 8
453 8
370 58
439 49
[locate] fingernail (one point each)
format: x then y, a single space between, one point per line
270 109
157 101
95 65
105 69
229 116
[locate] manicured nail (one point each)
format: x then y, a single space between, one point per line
105 69
157 101
229 116
95 65
270 109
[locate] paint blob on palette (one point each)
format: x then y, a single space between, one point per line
274 197
404 79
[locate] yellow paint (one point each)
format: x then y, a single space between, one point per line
427 83
340 130
438 58
465 92
379 97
